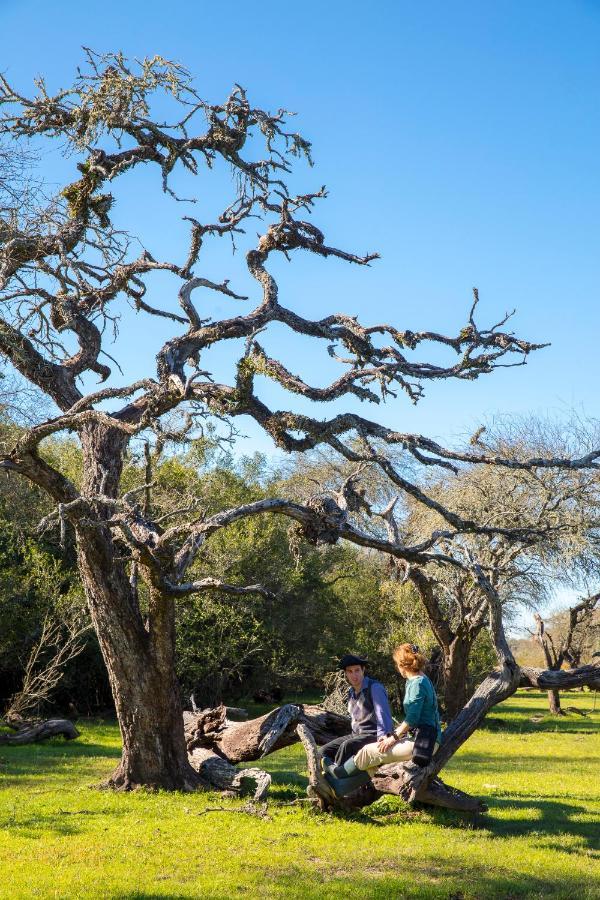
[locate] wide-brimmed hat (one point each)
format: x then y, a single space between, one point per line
351 660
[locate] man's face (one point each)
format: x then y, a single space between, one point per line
355 675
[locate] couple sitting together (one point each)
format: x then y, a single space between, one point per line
374 742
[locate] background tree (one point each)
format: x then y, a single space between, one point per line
561 508
580 623
64 272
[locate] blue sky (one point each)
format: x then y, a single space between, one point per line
460 140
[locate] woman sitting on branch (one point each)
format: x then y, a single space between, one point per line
414 742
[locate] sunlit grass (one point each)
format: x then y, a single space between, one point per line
61 837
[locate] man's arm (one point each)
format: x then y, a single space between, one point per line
383 713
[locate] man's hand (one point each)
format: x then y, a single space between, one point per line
386 743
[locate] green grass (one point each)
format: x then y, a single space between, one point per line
60 837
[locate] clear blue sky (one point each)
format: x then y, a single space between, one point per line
460 140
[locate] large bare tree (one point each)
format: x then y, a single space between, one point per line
66 270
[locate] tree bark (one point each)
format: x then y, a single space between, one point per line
554 703
247 741
139 656
456 672
221 775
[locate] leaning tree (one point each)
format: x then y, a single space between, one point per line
68 267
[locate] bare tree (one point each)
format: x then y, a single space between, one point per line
550 519
569 647
560 507
63 275
59 642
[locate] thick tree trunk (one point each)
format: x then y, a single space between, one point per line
141 670
139 657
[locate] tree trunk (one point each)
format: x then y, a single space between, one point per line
141 669
456 672
139 657
554 703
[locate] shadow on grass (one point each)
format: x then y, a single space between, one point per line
32 757
424 879
552 817
521 763
510 724
549 818
55 759
61 822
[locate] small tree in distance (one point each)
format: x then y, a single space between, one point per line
64 270
568 647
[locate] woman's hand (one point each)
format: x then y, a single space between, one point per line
386 743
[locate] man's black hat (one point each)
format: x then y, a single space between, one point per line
350 660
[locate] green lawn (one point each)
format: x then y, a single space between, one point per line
60 837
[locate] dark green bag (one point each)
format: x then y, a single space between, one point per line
425 739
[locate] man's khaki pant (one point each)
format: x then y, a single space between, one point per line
369 757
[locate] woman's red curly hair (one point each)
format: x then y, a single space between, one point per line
407 656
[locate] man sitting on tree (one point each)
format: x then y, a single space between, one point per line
369 710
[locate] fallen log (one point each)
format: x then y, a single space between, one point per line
221 775
214 743
33 732
248 741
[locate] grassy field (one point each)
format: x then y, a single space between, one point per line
60 837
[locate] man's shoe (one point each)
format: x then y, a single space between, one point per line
347 785
329 768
